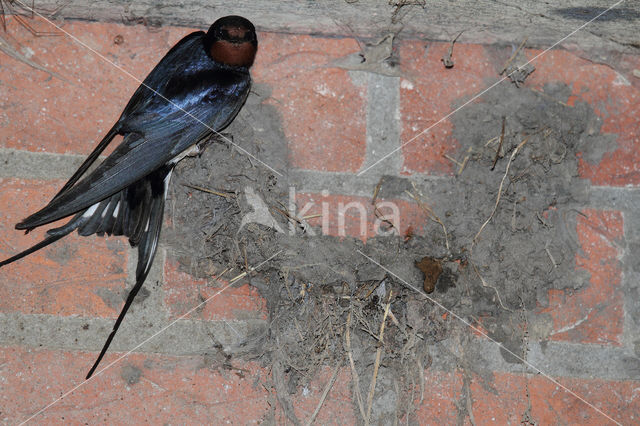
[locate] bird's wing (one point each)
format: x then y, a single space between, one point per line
170 65
89 161
167 133
145 94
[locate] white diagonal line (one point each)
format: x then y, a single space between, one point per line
403 144
101 56
149 338
476 329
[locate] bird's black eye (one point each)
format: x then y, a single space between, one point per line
235 34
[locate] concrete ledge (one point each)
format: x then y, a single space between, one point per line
484 22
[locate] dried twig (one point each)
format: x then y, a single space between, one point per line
504 177
11 51
453 160
447 59
495 160
486 285
383 218
461 165
506 64
490 141
376 366
250 269
553 261
208 191
549 97
429 211
354 372
376 191
324 394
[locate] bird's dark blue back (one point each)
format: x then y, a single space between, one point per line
192 96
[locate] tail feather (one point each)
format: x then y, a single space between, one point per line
136 212
150 220
109 216
91 225
42 244
118 225
53 235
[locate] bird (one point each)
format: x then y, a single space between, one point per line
196 89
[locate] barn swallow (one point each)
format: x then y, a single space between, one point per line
196 89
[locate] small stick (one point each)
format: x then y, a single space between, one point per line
447 58
286 214
429 211
324 395
373 288
11 51
207 190
372 387
251 269
376 191
312 216
464 162
542 221
506 172
549 97
462 165
495 160
394 319
553 261
453 160
246 262
490 141
421 373
484 284
356 380
506 64
380 216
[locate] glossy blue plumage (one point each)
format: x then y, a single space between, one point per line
185 98
193 94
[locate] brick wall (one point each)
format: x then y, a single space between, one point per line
57 305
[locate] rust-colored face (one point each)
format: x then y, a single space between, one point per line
235 48
234 54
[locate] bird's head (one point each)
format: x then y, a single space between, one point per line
232 41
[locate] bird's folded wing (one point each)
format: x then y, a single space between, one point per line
144 96
133 159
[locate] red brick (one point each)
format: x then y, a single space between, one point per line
40 113
441 392
70 277
501 398
323 111
181 389
338 400
428 92
612 97
184 292
594 313
504 400
360 221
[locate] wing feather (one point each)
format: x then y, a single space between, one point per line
140 154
